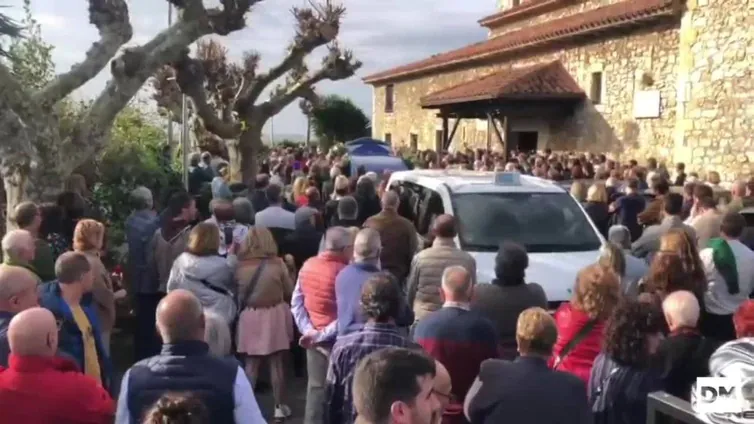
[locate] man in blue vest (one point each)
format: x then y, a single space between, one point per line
185 365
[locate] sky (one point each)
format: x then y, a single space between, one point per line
381 33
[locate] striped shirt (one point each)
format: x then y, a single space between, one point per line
346 354
733 359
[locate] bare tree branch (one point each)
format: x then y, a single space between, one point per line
136 65
13 98
112 21
336 65
314 29
191 78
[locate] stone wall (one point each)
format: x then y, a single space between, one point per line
716 123
609 127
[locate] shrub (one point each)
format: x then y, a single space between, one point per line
136 155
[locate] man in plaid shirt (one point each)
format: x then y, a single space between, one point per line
380 303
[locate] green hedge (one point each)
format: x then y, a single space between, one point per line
136 155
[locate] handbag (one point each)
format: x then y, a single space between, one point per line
252 284
583 332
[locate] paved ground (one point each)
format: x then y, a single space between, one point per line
122 352
296 400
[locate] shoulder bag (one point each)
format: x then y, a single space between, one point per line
568 348
252 284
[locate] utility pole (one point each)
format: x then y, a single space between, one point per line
170 113
184 122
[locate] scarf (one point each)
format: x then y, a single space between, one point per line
22 264
725 263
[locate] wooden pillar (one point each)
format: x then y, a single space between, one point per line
489 132
506 137
445 132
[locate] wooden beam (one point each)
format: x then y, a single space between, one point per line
497 132
452 133
445 132
489 132
505 124
539 109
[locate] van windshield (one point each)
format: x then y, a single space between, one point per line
541 222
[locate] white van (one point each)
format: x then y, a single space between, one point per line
495 207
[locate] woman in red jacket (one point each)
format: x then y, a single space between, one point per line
581 321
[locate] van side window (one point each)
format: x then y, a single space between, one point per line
430 208
409 196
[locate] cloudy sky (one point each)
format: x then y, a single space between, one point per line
382 34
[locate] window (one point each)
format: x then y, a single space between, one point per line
414 142
438 140
389 98
388 138
596 88
430 207
541 222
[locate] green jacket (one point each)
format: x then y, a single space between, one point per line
44 262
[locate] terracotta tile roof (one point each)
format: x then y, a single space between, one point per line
628 12
544 81
523 10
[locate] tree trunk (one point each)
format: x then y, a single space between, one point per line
234 160
22 185
249 145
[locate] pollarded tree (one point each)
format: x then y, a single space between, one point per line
226 96
34 156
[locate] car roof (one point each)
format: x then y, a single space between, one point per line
378 164
462 181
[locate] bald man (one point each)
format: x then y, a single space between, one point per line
429 264
399 238
186 365
740 198
39 387
456 336
684 354
18 292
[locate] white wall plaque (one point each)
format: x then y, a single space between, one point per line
647 104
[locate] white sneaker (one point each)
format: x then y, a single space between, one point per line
282 412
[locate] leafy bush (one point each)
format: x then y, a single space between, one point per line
136 155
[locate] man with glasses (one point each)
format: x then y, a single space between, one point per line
18 292
315 312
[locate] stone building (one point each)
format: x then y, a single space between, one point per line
634 78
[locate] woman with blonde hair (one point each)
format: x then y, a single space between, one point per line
89 239
202 271
265 325
298 192
598 208
578 191
581 322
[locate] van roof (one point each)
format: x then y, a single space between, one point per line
462 181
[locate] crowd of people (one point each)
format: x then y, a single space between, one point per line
388 326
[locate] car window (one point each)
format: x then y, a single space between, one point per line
541 222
